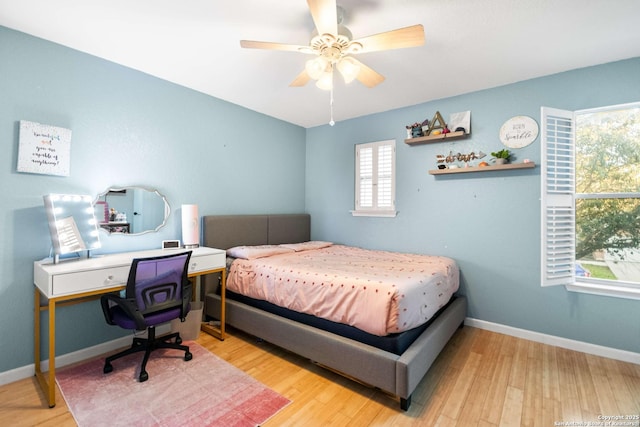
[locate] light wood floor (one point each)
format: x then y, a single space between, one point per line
480 379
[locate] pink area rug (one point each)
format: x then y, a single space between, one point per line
205 391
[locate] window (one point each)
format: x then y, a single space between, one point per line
591 200
375 179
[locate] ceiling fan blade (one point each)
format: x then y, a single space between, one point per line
325 15
403 37
367 76
251 44
301 80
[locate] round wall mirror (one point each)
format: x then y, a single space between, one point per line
131 210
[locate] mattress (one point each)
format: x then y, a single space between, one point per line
377 292
393 343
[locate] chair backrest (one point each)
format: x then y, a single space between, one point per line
156 283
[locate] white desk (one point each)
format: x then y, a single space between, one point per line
74 281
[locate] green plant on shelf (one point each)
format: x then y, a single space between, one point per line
502 154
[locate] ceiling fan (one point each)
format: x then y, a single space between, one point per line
334 47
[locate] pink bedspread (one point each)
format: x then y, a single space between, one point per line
376 291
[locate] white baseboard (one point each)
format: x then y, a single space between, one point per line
584 347
73 357
87 353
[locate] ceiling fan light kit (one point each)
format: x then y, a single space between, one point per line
349 69
316 67
333 45
325 81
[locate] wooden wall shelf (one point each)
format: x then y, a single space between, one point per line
436 138
508 166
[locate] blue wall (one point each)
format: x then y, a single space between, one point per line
128 129
489 222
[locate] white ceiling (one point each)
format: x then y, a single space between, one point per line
470 45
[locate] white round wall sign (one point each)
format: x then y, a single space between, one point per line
518 132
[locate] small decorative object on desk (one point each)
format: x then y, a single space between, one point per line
502 156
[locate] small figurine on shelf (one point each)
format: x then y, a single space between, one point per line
425 127
112 214
416 130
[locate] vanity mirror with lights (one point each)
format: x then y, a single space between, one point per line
131 210
72 224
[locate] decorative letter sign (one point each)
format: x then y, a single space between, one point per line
44 149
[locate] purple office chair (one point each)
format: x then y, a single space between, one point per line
157 291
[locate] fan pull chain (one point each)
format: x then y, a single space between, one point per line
331 122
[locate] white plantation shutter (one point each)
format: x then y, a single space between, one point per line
385 176
375 176
558 197
365 176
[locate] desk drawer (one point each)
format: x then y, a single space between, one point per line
207 262
85 281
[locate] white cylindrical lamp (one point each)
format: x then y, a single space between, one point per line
190 226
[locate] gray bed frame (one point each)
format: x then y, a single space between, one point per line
396 374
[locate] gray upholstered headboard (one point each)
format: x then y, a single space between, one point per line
227 231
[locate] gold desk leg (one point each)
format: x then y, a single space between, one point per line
36 330
223 296
48 386
212 330
52 353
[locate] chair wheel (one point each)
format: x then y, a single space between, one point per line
178 340
107 368
188 356
144 376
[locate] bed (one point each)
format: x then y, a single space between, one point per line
395 365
